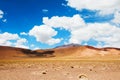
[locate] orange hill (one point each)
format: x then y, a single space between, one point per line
66 51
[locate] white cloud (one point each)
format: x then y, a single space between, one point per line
32 45
1 14
6 37
21 43
9 36
23 33
44 34
81 31
6 40
116 19
100 32
68 23
36 48
104 6
5 43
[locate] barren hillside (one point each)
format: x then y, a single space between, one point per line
66 51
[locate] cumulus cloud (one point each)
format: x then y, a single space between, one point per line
1 14
68 23
21 43
44 34
7 38
83 32
103 6
100 32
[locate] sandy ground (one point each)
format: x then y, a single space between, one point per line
60 70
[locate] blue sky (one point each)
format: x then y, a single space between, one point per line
49 23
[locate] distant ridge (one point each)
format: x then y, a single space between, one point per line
68 45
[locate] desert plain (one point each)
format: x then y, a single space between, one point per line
60 67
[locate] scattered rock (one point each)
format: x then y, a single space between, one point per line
90 69
29 66
44 73
83 77
72 67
